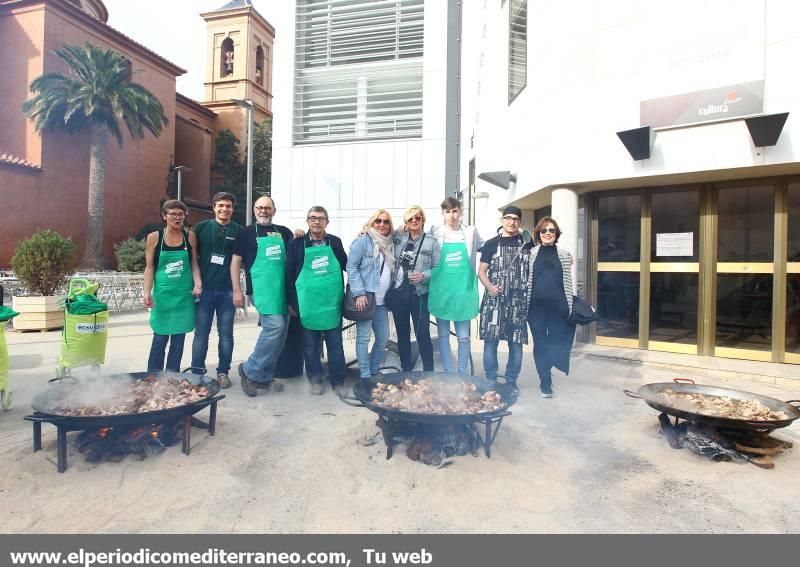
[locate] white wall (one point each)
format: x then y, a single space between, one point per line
591 63
352 179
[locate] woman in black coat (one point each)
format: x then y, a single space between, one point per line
550 304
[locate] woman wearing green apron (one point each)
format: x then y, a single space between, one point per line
315 290
171 283
453 294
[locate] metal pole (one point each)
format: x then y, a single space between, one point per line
249 211
180 171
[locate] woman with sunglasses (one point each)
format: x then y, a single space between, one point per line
551 303
416 255
171 283
370 264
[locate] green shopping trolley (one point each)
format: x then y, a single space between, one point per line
6 396
85 332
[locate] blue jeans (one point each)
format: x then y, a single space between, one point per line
312 346
155 362
417 313
260 367
368 363
212 301
464 346
513 366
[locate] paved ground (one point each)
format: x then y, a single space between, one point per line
589 460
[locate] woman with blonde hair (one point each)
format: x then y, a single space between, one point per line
370 265
408 298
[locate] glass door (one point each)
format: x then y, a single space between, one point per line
744 272
618 269
674 271
792 324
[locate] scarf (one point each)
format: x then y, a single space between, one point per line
384 244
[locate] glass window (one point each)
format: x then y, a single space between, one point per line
794 223
618 304
746 222
358 70
619 222
673 307
744 311
675 219
793 314
517 48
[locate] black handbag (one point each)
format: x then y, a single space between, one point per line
349 308
582 312
399 298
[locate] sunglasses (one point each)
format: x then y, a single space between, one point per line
416 218
548 230
511 219
382 221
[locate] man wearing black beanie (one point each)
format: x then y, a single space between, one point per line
504 310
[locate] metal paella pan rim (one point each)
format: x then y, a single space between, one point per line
97 389
362 391
650 393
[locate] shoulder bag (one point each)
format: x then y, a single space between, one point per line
399 298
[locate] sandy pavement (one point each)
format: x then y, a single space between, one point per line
589 460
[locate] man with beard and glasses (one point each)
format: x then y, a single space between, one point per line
262 246
215 240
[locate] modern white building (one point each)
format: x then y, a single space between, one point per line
687 234
360 109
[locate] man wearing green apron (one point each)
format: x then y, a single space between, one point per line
262 247
315 289
453 289
171 282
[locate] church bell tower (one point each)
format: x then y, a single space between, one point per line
238 64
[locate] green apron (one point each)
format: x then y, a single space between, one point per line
267 275
173 304
453 289
320 290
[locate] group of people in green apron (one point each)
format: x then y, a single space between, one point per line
416 273
298 279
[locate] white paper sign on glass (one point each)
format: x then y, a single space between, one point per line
675 244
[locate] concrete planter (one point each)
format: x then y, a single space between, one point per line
38 313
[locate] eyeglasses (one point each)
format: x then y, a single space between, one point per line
317 219
176 215
382 221
263 208
509 218
415 218
550 230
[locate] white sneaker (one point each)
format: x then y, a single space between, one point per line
545 395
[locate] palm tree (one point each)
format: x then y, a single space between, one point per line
96 95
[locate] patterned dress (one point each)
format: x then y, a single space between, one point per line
505 317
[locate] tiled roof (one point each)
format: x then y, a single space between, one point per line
6 158
234 5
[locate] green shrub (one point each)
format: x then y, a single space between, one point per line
44 262
130 255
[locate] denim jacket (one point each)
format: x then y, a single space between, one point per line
363 266
428 257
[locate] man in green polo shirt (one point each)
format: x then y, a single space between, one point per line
215 240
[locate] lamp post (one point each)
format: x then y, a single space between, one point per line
180 169
248 104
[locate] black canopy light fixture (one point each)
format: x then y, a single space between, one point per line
766 129
639 142
502 179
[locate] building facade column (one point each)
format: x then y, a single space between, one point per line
564 206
